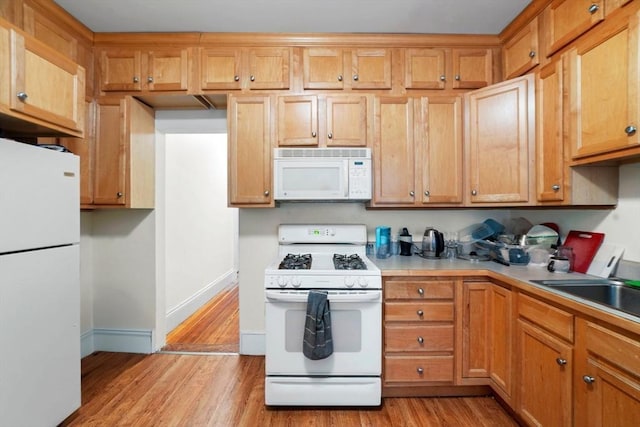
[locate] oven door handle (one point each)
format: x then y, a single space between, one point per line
336 297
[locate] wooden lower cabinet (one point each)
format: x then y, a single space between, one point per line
607 376
419 333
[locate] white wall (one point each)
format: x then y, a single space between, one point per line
200 230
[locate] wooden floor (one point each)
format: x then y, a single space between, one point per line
213 328
121 389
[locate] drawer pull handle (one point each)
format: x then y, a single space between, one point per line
560 361
593 8
588 379
421 291
630 130
420 313
421 340
420 371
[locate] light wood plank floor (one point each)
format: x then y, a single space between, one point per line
213 328
121 389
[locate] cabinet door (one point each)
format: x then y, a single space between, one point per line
45 85
52 34
120 70
604 93
425 68
501 333
521 52
550 163
111 155
269 68
500 130
220 68
84 148
168 69
472 68
323 68
544 372
297 120
347 121
371 69
439 139
394 153
476 330
565 20
250 151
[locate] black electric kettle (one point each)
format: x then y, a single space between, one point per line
432 243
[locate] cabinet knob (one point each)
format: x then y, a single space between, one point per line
555 187
560 361
236 78
330 136
457 77
252 78
474 192
22 96
588 379
421 291
150 79
442 78
629 130
266 192
136 79
426 193
412 193
420 313
355 77
339 77
420 371
313 134
119 194
421 340
532 54
593 8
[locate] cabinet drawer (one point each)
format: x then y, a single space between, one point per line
617 349
418 338
418 369
548 317
398 289
418 311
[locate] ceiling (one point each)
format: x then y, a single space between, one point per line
297 16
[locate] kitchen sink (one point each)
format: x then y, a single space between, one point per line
612 293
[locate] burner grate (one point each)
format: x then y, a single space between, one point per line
296 262
348 262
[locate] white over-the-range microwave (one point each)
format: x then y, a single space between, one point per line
316 174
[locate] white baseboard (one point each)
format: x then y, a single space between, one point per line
252 343
179 314
117 340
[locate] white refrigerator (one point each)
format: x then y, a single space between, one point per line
39 285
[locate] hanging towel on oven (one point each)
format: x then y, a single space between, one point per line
317 343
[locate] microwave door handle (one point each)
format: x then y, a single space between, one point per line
346 178
277 296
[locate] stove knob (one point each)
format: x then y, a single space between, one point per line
281 282
348 281
363 282
296 282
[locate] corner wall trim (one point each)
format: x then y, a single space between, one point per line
117 340
252 343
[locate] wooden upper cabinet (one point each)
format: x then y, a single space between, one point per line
322 68
566 20
326 121
604 92
44 86
244 68
371 68
250 146
500 140
52 34
134 70
550 159
298 120
439 150
394 151
521 52
472 68
425 68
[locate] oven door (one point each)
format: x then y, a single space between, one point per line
356 318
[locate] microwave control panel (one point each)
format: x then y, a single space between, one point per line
360 179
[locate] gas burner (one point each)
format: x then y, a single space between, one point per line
296 262
348 262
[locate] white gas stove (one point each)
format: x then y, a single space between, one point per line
330 258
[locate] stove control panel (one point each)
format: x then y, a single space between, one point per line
323 282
